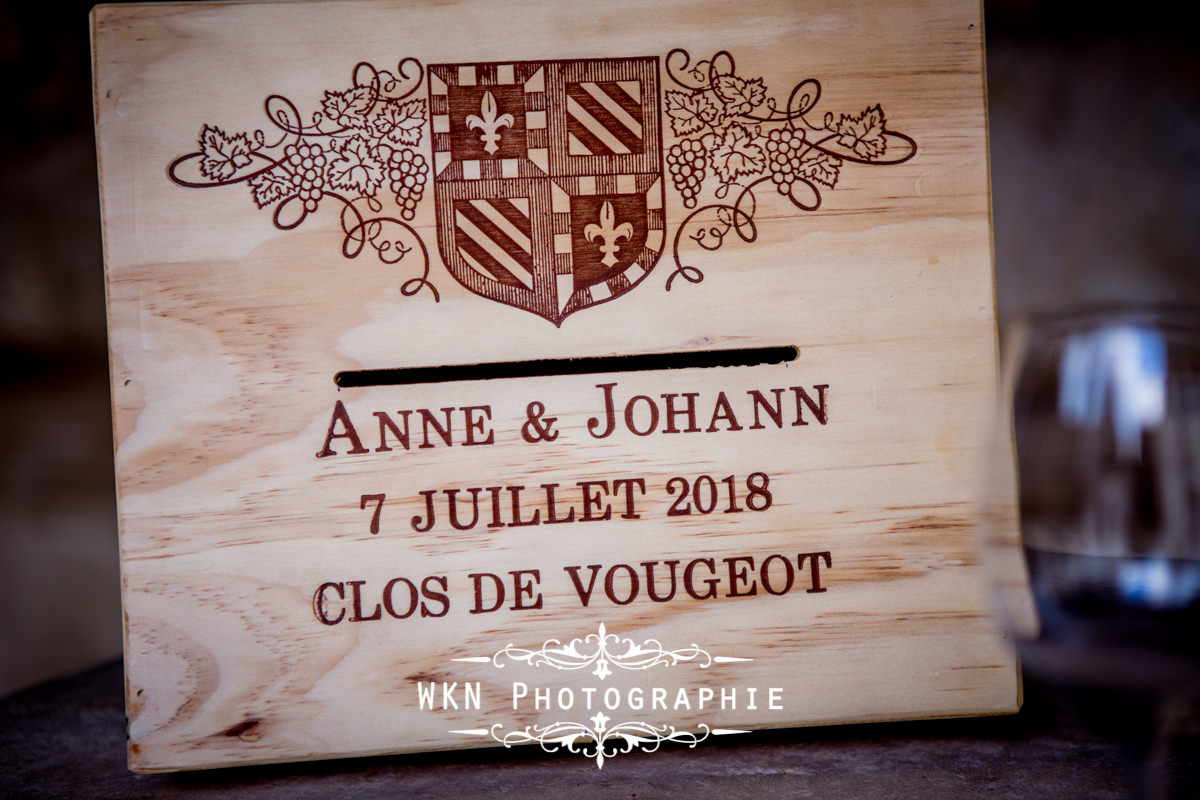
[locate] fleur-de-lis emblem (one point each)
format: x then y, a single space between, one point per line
609 233
489 124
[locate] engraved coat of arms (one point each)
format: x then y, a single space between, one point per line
548 175
548 179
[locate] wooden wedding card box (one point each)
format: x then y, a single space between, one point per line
603 377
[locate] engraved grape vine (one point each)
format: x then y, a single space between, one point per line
364 138
727 127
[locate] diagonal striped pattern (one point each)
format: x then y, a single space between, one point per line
604 118
493 236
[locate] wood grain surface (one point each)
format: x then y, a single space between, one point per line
228 325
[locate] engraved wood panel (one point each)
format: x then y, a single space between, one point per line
293 193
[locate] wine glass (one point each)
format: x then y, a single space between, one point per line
1101 587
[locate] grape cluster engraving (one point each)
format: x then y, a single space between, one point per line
726 126
361 153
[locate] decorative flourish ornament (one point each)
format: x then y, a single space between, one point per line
603 650
599 741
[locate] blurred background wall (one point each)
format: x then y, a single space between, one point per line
1095 147
1094 113
59 587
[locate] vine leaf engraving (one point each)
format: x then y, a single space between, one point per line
401 125
223 155
356 169
728 126
820 168
740 96
349 108
690 112
364 139
863 134
737 155
269 187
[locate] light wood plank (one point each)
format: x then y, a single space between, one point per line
226 332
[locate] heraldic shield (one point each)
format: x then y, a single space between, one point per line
548 179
